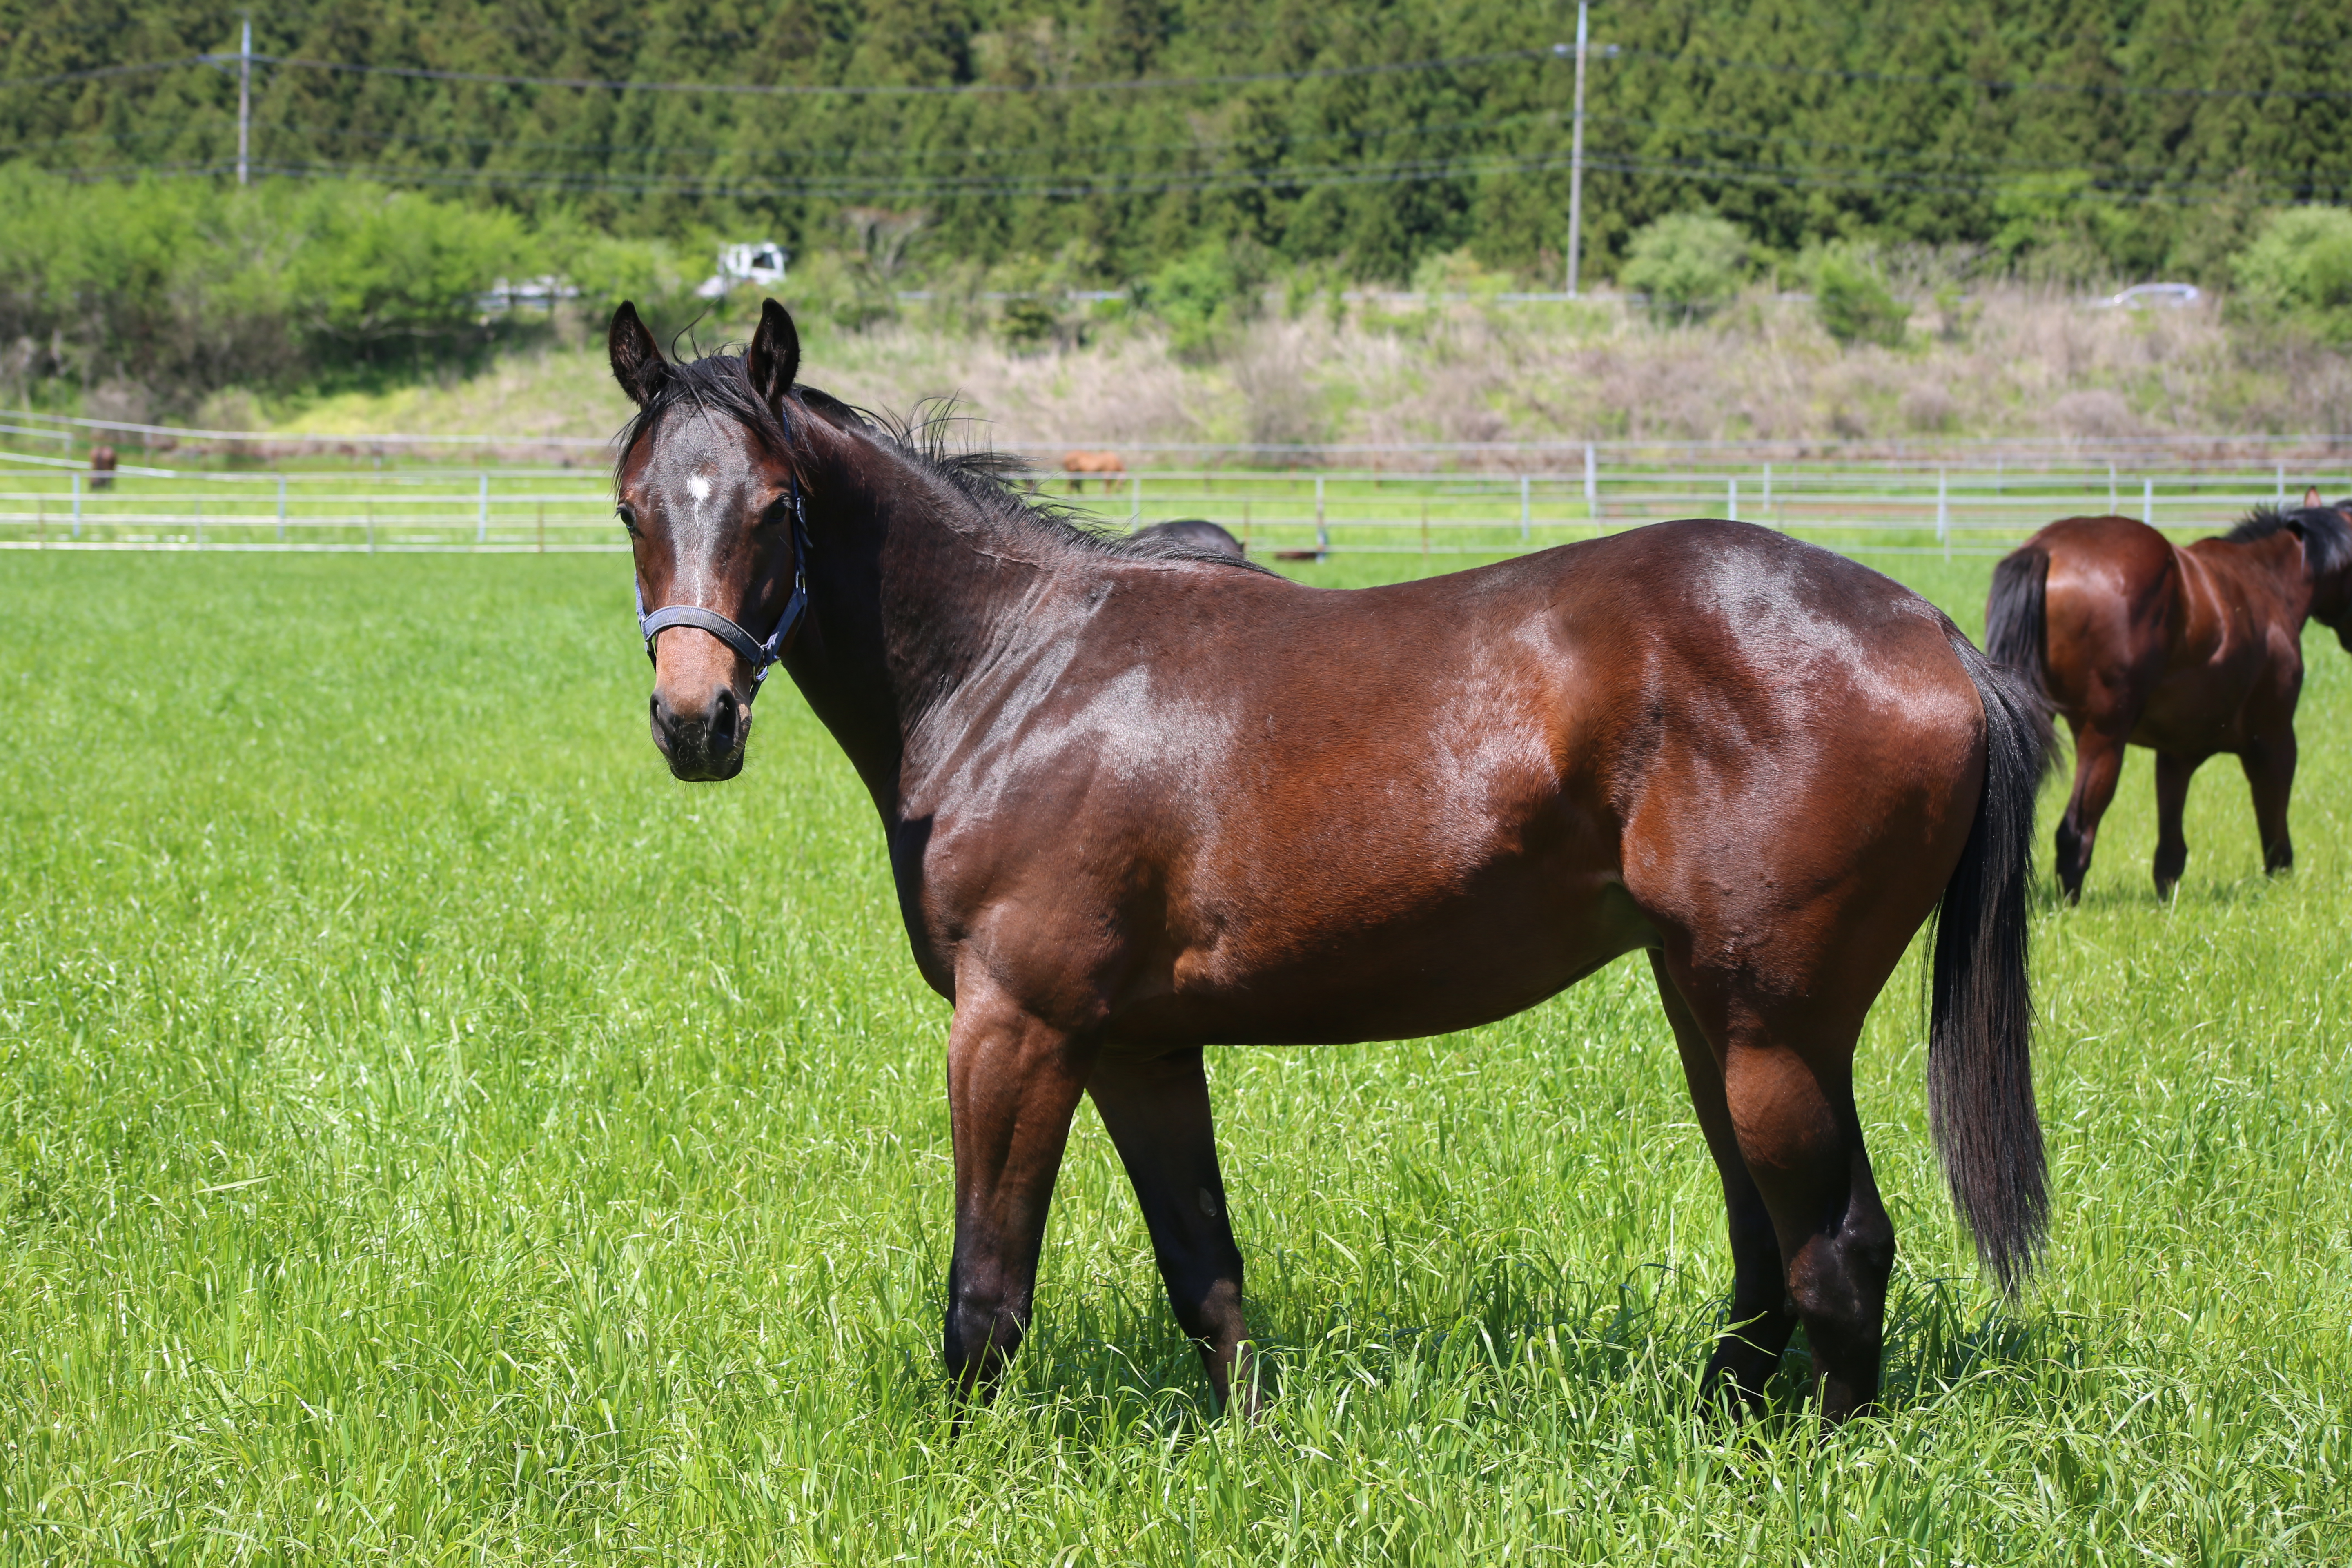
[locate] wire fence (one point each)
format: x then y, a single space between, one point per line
1880 507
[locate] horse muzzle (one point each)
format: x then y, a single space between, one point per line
703 744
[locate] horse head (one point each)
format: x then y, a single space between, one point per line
707 488
2326 533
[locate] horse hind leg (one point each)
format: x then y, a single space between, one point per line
1788 1096
1761 1317
2098 764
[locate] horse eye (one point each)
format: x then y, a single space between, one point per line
778 513
628 516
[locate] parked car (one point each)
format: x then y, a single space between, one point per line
760 262
2142 296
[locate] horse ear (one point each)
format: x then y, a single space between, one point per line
774 356
2311 496
637 363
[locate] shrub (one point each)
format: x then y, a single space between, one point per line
1204 294
1853 305
182 287
2300 267
1690 264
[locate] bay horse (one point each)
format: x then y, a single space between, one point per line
1139 799
2189 650
1196 531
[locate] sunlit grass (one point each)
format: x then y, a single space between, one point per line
428 1133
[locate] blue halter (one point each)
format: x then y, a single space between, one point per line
761 655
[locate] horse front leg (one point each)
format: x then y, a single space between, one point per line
1014 1081
2173 772
2270 772
1157 1114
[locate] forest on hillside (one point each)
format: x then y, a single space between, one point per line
2075 137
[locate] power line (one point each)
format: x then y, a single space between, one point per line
956 89
1308 177
1140 84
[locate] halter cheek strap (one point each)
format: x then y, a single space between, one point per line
761 655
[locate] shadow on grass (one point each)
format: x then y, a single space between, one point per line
1108 1366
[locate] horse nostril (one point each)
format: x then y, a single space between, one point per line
725 720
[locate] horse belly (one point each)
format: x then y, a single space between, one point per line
1394 961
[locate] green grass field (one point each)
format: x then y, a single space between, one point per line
428 1133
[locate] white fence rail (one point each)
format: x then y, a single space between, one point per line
1862 509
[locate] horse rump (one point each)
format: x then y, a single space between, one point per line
1981 1026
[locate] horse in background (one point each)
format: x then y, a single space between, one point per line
2189 650
1103 465
102 461
1198 533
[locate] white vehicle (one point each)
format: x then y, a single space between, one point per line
760 262
2141 295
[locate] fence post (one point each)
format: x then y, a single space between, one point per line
1944 512
1592 486
1322 531
2147 501
2281 486
77 498
482 514
1733 498
282 508
2113 506
1523 509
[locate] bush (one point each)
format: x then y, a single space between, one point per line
1203 295
183 287
1853 305
1690 264
2300 267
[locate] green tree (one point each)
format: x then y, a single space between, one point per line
1690 264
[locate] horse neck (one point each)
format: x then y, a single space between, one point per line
912 586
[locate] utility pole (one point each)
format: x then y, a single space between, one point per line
245 101
1576 157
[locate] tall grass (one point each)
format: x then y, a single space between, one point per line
427 1132
2013 361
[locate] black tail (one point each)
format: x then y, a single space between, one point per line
1980 1032
2014 616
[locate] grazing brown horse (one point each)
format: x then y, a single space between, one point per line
1198 533
1103 465
2187 650
1139 799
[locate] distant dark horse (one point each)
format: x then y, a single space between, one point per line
1141 799
2186 651
1198 533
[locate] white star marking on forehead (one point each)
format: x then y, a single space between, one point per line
698 487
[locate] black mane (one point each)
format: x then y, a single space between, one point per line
2327 536
990 481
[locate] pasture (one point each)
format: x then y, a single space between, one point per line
430 1134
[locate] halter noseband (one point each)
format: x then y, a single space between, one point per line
761 655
